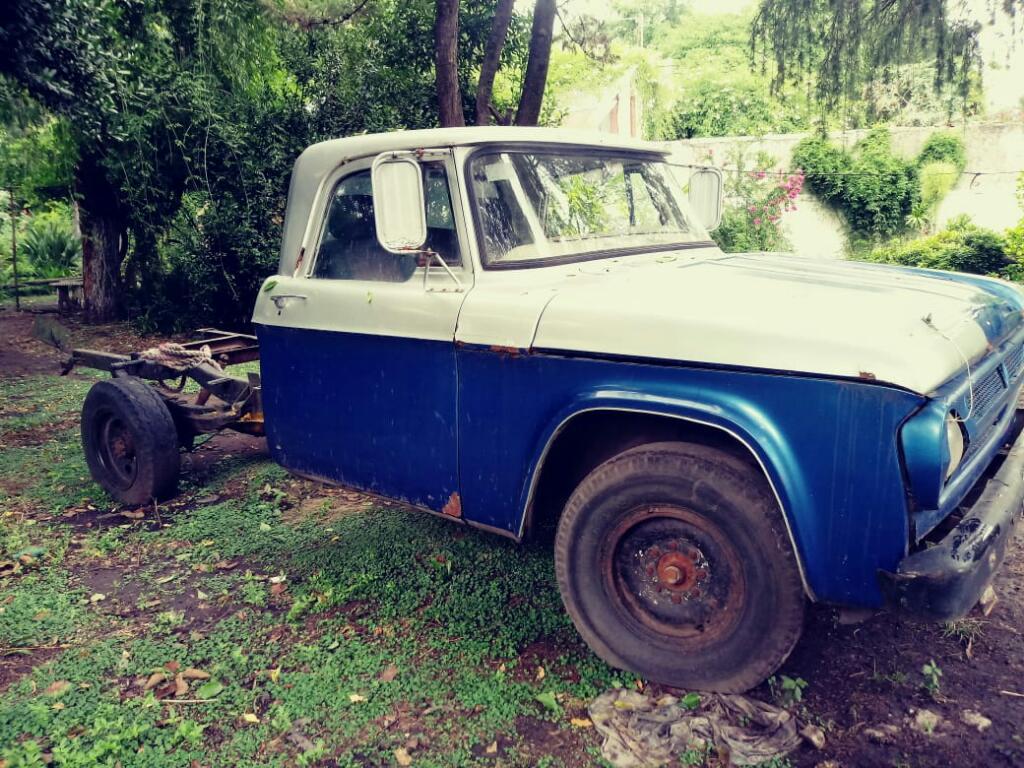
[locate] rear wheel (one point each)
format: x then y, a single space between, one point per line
129 440
674 562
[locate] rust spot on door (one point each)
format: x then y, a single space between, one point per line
454 506
505 351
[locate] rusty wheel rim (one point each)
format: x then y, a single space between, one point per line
115 448
676 573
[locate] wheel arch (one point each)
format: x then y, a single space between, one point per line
619 424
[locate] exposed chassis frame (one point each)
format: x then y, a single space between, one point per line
222 402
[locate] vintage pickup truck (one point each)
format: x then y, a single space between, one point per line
517 328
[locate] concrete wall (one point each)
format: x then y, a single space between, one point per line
985 191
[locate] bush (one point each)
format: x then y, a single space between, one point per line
739 109
825 166
881 190
50 247
937 178
944 147
960 247
757 200
877 193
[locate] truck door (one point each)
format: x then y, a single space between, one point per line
357 351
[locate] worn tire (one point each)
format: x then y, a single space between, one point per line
129 440
674 562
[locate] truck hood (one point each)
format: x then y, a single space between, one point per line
912 328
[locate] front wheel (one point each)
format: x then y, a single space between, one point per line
674 562
129 440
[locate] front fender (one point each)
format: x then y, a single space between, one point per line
828 447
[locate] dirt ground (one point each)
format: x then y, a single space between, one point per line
864 681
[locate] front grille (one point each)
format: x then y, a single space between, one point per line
986 392
1014 362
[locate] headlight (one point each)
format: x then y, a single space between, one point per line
955 441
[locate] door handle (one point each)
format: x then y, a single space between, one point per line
281 299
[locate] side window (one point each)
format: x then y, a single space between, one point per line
442 237
348 244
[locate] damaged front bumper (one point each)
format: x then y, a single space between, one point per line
946 580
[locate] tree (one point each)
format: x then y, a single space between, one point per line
446 42
536 76
66 56
841 44
492 60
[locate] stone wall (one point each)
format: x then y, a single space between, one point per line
985 191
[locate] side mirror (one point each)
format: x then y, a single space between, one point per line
399 206
706 194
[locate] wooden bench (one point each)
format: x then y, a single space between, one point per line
69 294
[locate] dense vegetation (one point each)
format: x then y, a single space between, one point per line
163 131
178 124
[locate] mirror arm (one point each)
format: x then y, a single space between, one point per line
431 255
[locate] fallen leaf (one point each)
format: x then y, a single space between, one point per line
540 674
580 722
209 689
224 565
40 615
172 666
389 674
154 680
249 717
57 688
58 705
180 686
278 589
200 595
548 700
492 748
403 757
165 579
195 674
275 674
355 698
278 579
133 514
97 597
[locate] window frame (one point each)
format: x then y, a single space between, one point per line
317 225
561 150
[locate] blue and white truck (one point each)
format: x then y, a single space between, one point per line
524 328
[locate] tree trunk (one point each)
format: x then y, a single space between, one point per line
102 226
537 65
492 58
446 70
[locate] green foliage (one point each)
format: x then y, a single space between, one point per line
843 44
961 247
872 188
906 94
717 91
186 118
932 674
937 178
401 613
742 109
50 246
944 147
825 166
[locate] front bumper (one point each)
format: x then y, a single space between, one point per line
945 581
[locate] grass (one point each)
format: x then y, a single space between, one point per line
323 635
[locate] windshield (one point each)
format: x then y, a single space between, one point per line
536 206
